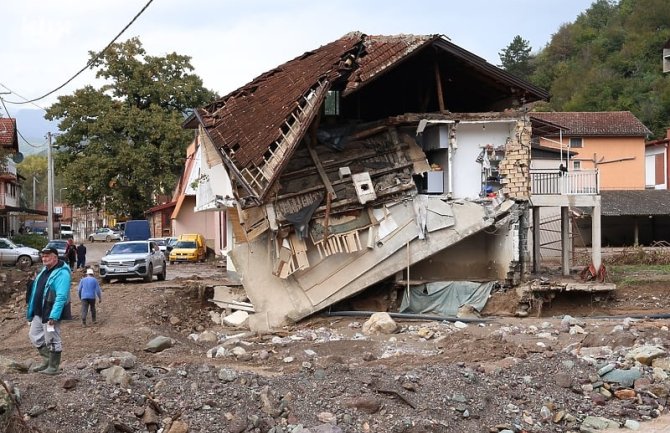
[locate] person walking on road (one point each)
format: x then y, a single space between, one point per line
71 254
81 255
89 289
49 298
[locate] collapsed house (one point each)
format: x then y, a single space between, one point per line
372 158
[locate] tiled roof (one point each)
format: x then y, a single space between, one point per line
8 135
600 123
248 124
635 202
251 117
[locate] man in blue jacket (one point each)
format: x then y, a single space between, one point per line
49 295
89 289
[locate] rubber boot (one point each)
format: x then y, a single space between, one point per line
54 364
44 353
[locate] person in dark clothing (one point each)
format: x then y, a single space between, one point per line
71 253
81 255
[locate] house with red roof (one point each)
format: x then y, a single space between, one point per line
630 173
10 186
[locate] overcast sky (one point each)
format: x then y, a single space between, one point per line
45 42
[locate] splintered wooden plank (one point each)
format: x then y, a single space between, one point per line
322 172
300 251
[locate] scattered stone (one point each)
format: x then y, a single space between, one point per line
208 337
227 375
178 427
327 418
646 354
70 383
367 404
237 319
116 375
159 344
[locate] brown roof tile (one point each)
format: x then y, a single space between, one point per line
250 118
600 123
8 133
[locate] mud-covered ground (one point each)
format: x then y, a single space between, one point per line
324 374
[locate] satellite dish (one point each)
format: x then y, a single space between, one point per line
18 157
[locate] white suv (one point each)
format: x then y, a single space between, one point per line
133 259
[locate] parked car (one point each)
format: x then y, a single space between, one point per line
162 245
60 245
133 259
104 234
189 248
13 254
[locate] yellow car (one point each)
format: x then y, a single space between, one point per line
189 248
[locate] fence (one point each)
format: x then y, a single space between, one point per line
554 182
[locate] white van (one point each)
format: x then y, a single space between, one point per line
66 231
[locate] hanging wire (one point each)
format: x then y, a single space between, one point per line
17 129
88 64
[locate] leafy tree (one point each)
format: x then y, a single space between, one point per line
609 59
34 166
516 58
123 144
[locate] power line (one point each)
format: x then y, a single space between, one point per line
88 64
17 128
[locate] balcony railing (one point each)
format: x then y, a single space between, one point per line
555 182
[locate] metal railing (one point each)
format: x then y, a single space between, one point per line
555 182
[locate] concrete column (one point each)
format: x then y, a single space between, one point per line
636 232
565 240
536 239
596 248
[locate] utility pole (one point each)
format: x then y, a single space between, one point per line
34 189
50 192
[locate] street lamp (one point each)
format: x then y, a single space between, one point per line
60 196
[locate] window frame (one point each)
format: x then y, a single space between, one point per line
574 140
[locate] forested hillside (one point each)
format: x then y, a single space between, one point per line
609 59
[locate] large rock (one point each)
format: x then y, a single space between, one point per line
116 375
159 344
379 323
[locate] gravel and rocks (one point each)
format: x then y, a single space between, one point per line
157 362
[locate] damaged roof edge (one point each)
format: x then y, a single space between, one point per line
491 69
226 160
395 64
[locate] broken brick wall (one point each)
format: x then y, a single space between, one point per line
515 166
